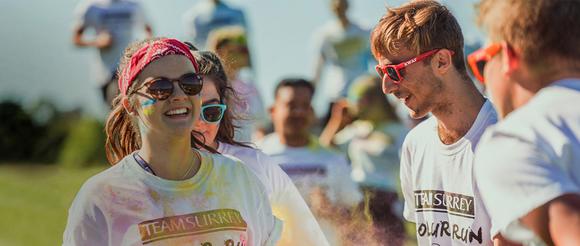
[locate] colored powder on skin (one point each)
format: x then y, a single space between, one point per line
148 106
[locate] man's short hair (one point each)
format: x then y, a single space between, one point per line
294 83
418 26
540 29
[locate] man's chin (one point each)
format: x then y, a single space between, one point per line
416 115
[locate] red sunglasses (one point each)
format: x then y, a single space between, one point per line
394 71
480 57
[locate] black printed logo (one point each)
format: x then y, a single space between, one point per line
444 202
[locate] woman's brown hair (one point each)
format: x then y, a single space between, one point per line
122 132
210 66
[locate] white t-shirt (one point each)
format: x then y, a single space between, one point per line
300 226
123 19
206 16
347 51
531 157
125 205
438 186
314 166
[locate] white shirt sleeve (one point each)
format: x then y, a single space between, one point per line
300 226
407 182
516 176
86 223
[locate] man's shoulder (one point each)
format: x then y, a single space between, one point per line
424 130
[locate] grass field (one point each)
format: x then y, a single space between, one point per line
34 202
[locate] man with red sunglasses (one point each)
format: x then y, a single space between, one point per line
528 165
419 48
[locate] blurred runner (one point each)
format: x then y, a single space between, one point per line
115 23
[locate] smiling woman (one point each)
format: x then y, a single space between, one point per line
157 179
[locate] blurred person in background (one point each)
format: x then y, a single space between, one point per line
419 48
216 123
343 51
528 165
321 175
209 15
344 45
230 44
373 144
116 23
160 191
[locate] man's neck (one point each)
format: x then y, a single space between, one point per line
458 114
295 140
170 158
344 22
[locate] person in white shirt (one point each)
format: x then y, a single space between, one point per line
528 165
116 23
373 145
321 175
159 190
343 44
216 125
209 15
419 48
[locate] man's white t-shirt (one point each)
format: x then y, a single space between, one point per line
531 157
300 226
347 50
314 166
441 197
122 19
224 203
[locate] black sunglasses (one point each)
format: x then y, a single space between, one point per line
161 88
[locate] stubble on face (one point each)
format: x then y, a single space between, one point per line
429 96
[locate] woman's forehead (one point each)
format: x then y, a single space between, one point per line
171 66
209 90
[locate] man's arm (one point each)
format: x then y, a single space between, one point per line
101 41
558 221
318 70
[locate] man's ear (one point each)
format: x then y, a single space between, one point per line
128 107
511 59
442 61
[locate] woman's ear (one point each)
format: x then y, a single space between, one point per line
128 107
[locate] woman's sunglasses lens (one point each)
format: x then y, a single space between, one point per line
213 114
393 74
191 84
160 89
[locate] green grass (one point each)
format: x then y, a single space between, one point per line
34 202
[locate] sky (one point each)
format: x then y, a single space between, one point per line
39 62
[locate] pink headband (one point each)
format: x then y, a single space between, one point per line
149 53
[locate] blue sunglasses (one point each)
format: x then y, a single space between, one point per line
213 113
